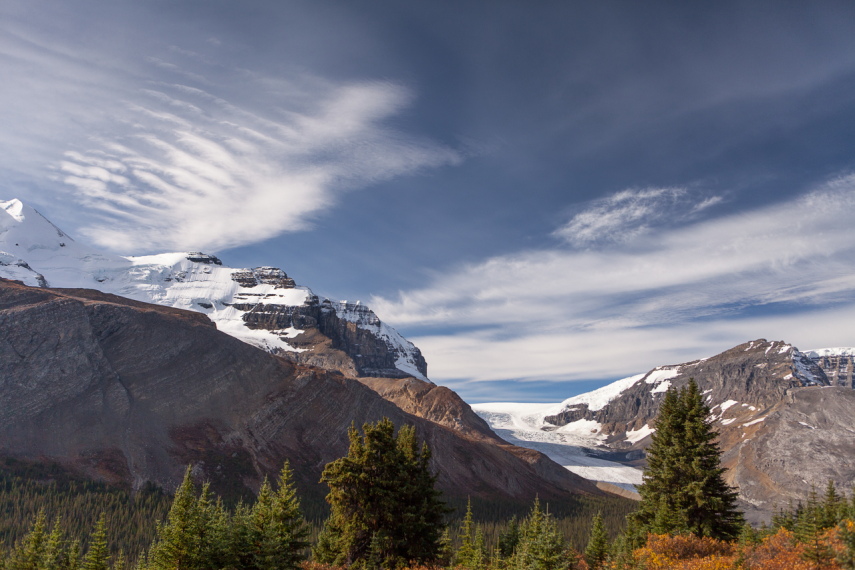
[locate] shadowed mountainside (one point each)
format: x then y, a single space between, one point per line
129 392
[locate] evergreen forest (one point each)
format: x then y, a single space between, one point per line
384 511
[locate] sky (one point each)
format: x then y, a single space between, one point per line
542 196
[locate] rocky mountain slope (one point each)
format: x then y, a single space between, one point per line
261 305
131 392
784 426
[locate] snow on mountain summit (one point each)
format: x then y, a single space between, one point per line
261 306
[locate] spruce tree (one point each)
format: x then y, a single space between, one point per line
471 554
683 489
541 546
54 554
98 556
178 543
597 550
277 528
384 505
846 532
30 552
509 539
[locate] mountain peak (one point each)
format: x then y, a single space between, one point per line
14 208
261 306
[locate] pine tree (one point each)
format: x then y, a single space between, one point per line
509 539
30 552
846 532
541 546
471 554
683 490
178 542
98 556
277 527
833 506
597 550
54 555
384 505
120 563
809 527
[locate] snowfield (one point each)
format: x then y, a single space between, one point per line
570 445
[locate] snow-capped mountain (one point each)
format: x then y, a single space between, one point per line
261 306
761 395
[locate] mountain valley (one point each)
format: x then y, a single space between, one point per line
128 368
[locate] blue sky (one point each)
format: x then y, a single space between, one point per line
542 196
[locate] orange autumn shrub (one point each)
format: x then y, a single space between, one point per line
781 551
664 552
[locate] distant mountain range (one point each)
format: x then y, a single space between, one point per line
258 371
119 367
785 420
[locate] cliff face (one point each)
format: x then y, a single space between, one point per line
837 364
342 336
131 392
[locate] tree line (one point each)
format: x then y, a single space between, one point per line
385 512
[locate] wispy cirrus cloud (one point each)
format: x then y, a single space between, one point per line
678 291
192 170
170 149
628 214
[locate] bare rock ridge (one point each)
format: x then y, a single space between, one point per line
130 392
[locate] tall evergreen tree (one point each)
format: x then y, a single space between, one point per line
277 527
683 489
471 554
30 552
178 544
98 556
509 539
597 550
384 505
541 545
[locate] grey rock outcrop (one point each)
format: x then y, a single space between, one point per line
336 335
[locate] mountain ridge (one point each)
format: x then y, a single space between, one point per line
762 395
262 306
130 392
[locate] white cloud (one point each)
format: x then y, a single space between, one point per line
169 150
626 215
670 295
193 171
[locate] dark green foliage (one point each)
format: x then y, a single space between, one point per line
509 539
541 546
684 491
277 530
809 520
27 488
385 510
597 550
201 534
